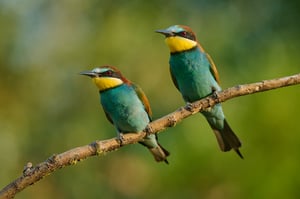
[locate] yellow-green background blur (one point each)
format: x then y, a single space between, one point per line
47 108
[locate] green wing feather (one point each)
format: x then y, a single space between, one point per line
140 93
213 68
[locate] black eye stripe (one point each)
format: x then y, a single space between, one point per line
187 35
109 73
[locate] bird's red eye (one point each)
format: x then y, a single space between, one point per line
188 35
183 33
109 72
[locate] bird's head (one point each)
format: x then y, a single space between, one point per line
106 77
179 38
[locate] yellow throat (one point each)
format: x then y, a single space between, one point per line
104 83
179 44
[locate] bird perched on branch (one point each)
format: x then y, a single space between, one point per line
195 76
125 106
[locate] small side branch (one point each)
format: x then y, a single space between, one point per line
33 174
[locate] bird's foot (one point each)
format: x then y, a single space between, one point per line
189 106
148 130
120 138
215 94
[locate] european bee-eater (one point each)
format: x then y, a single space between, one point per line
195 76
125 106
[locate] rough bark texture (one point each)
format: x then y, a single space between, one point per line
32 174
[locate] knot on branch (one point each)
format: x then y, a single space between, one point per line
171 121
52 162
192 107
27 169
97 148
52 159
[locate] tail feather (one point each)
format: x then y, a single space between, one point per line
159 153
227 139
224 146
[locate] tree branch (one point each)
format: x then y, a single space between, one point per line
32 174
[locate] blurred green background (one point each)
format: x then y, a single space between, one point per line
47 108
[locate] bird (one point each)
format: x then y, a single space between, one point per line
126 107
195 75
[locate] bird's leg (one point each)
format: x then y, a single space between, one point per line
148 130
120 138
215 94
189 106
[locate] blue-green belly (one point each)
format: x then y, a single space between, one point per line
125 109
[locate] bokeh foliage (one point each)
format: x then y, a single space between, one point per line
47 108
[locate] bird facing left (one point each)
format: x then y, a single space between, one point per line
125 106
195 75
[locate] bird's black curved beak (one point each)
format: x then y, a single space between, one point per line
88 73
165 32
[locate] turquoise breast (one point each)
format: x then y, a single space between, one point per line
125 108
193 76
